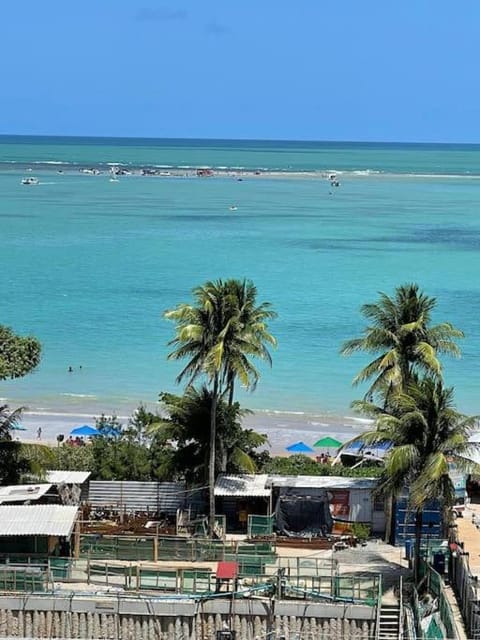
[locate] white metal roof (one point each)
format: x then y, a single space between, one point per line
37 520
67 477
322 482
23 492
242 485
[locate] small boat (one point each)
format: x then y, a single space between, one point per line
30 180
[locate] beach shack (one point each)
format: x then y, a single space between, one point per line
36 531
325 504
239 496
300 505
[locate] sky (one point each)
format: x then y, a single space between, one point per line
367 70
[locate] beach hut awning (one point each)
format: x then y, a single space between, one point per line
299 447
328 443
374 451
253 486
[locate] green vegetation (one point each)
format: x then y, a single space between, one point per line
18 356
401 333
301 465
414 410
219 335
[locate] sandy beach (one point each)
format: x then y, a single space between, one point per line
281 428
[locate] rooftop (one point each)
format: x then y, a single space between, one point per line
242 485
37 520
67 477
23 492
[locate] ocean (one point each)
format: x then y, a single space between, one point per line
89 265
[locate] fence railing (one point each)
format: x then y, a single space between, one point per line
312 580
467 590
260 526
154 548
436 587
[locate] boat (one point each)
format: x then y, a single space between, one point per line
30 180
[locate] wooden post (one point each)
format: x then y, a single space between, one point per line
76 544
155 549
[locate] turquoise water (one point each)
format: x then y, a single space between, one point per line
88 266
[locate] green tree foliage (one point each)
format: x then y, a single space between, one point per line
302 465
219 335
400 332
185 431
18 354
17 459
428 435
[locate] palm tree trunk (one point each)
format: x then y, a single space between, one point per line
211 461
418 540
231 390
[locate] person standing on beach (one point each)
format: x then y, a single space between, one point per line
39 433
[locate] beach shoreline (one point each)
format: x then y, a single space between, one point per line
282 427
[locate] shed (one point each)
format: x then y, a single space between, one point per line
349 499
238 496
40 530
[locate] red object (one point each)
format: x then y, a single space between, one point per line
227 570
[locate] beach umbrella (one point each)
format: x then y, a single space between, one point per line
299 447
18 427
328 443
85 430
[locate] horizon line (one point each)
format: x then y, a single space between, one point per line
205 139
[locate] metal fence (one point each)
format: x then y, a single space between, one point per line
467 591
434 584
153 548
259 526
151 497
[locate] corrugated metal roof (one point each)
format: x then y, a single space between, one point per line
144 496
67 477
23 492
37 520
242 485
322 482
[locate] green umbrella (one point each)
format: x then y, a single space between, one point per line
328 443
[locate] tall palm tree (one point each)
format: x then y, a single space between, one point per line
217 344
402 334
428 435
249 335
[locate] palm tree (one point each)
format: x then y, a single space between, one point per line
249 335
428 435
218 344
186 428
407 344
17 458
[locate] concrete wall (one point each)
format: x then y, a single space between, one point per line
140 619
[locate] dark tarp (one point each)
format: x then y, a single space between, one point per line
303 516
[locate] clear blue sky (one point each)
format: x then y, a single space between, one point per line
403 70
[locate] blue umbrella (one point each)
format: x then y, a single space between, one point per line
18 427
299 447
85 430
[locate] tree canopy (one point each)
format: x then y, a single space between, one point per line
18 354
